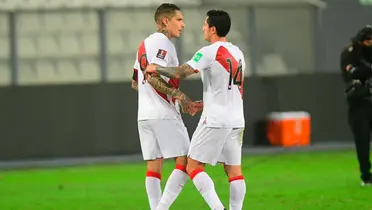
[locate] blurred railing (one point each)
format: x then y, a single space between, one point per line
62 46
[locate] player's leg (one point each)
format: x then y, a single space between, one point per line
206 146
174 143
175 184
151 154
231 158
153 182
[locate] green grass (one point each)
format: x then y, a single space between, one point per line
303 181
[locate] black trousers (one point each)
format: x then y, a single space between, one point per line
360 121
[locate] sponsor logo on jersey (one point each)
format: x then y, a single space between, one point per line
197 57
161 54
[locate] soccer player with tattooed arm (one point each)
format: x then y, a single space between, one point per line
161 129
218 137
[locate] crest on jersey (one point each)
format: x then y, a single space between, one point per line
197 57
161 54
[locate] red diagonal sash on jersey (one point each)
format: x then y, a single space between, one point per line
223 56
143 62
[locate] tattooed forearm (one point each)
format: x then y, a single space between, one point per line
159 84
135 85
186 103
178 72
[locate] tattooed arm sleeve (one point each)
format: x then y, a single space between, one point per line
178 72
186 103
159 84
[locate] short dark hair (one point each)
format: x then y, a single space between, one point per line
220 20
165 10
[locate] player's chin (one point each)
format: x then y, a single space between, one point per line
177 35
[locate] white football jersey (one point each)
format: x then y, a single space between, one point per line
222 66
152 104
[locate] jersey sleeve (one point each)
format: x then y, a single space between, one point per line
201 60
162 52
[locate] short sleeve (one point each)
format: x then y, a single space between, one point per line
201 60
162 52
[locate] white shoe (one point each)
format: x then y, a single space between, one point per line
366 183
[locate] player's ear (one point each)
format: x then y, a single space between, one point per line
165 21
213 29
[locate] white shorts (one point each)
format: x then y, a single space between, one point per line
212 145
163 139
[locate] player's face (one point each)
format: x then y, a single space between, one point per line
208 31
176 24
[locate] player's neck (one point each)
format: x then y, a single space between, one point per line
165 32
218 39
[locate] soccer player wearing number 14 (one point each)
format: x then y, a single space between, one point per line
218 137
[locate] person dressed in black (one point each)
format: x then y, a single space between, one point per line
356 65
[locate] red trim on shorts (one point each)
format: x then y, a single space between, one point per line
153 174
241 177
181 168
195 172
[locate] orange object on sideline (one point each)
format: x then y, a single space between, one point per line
289 129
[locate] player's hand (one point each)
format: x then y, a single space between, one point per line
187 105
151 68
199 105
150 71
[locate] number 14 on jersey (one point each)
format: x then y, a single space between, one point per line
236 74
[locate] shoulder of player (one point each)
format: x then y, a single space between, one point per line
237 48
210 50
206 48
159 39
230 46
205 52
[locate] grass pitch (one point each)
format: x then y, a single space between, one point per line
300 181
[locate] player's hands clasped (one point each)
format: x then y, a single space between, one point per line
190 107
199 105
187 105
